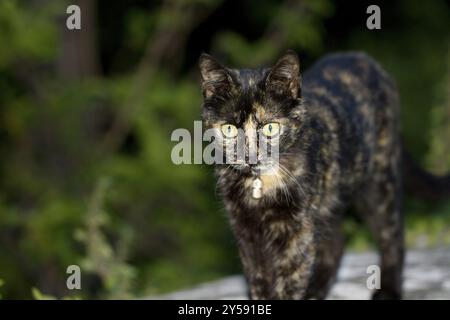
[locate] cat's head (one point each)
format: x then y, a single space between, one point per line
262 105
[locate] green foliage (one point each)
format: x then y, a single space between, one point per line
101 258
86 175
28 33
1 284
38 295
293 24
439 156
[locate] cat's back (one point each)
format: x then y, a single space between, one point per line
345 69
355 100
351 85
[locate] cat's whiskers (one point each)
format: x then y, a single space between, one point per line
284 188
291 177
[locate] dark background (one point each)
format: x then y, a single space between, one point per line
86 117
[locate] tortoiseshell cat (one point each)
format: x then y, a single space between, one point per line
339 147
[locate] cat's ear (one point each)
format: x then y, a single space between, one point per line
284 77
216 79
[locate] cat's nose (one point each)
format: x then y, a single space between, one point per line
251 157
251 149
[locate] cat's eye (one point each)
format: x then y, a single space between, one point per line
271 129
229 130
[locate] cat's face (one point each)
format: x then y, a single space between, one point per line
258 109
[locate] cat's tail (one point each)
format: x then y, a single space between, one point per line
420 183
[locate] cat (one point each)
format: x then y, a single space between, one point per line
337 130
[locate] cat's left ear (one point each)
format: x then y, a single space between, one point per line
284 77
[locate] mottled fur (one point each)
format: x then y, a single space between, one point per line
339 148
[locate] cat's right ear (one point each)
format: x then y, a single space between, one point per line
284 77
216 79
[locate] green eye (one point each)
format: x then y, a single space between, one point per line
271 129
229 130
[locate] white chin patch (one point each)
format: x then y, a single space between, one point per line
257 188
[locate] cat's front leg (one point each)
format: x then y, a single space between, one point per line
253 264
278 265
292 267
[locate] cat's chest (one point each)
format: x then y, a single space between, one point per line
264 186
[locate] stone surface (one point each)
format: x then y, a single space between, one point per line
426 276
